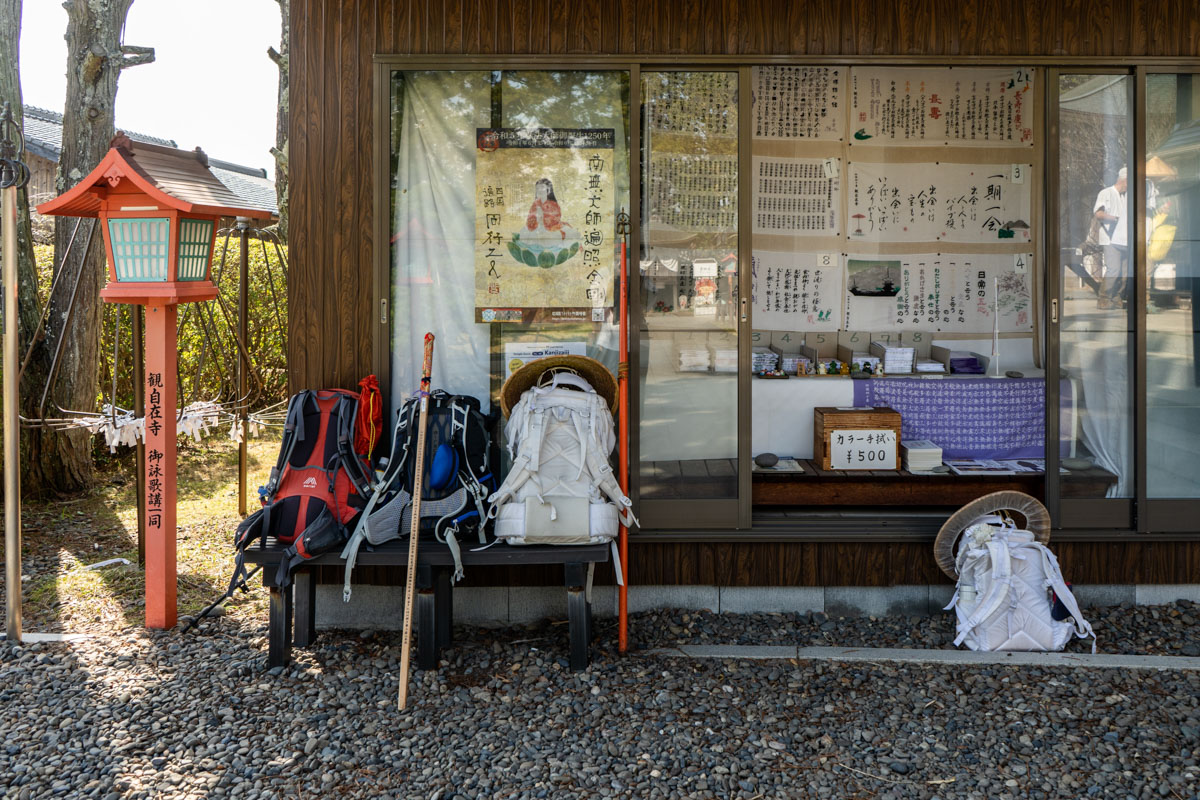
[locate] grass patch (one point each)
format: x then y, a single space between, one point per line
62 537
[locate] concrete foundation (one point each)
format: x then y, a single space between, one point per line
382 607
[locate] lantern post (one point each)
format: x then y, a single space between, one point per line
159 209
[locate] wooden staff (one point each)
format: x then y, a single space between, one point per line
623 432
414 531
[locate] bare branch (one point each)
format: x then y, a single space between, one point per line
134 55
281 61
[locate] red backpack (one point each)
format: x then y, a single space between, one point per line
317 487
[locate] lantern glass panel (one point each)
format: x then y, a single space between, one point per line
195 242
140 248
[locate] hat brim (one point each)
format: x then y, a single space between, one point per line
528 376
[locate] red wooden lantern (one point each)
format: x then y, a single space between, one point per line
159 209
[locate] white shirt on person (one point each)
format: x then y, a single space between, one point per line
1113 203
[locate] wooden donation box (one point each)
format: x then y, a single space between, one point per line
856 438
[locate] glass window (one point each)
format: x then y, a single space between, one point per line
1172 265
505 190
1096 344
689 278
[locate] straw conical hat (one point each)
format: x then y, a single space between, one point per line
1037 522
531 374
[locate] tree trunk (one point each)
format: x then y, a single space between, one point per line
62 462
280 151
10 91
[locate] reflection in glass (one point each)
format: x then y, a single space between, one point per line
1096 327
1172 258
689 279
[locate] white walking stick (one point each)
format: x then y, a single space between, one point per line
410 585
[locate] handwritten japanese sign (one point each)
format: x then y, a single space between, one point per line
544 224
154 456
796 196
896 106
929 202
938 292
862 449
796 291
799 103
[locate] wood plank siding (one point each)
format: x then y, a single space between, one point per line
331 288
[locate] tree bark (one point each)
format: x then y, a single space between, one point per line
61 463
280 150
10 91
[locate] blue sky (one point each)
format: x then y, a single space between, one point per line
211 83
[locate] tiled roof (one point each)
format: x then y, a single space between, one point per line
43 137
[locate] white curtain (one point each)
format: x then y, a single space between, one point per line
433 234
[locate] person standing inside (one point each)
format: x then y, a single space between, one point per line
1114 238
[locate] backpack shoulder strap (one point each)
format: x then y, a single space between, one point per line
1083 628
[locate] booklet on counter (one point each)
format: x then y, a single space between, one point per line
975 466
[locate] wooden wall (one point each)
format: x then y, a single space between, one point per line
330 291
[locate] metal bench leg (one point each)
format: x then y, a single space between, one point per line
305 599
426 611
279 636
577 615
443 594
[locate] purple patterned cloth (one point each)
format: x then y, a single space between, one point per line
982 418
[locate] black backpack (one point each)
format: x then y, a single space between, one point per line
459 475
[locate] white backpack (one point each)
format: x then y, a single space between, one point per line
561 488
1003 599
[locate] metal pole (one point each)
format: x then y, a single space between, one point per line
139 408
12 434
13 174
243 226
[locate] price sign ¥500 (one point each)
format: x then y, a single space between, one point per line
862 449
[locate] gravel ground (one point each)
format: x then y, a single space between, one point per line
139 714
1167 630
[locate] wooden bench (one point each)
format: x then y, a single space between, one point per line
295 610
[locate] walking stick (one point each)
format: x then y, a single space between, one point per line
414 531
623 433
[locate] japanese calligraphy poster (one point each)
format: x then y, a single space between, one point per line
692 192
927 202
797 196
799 103
953 293
797 291
895 106
544 224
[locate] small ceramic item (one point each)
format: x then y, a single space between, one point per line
844 369
766 460
821 368
879 369
940 469
1077 463
1012 373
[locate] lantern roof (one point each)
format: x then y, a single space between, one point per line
175 179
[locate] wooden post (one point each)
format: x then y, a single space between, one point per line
161 357
139 410
243 369
12 430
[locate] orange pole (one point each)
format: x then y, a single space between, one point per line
623 436
161 356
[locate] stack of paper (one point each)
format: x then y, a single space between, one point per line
920 455
896 358
963 362
973 466
693 358
724 359
929 366
793 364
763 359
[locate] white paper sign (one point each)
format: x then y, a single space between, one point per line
799 102
913 106
930 202
938 292
518 354
793 292
796 196
862 449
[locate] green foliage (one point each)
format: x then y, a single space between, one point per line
208 346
